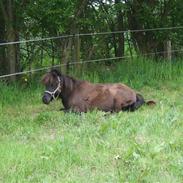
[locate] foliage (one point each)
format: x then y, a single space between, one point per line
36 19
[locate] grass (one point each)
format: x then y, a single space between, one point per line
39 143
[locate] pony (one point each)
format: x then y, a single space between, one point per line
82 96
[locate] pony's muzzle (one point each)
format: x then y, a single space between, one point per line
46 98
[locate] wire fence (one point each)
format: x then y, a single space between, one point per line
84 62
87 61
89 34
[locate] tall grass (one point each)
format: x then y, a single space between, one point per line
135 72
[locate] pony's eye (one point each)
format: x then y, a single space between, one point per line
52 85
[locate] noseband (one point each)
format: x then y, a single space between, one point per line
58 89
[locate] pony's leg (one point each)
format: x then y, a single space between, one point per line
116 106
79 108
65 110
139 102
62 109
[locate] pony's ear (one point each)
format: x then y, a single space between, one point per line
47 78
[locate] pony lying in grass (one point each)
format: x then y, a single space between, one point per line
82 96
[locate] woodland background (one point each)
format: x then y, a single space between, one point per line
35 19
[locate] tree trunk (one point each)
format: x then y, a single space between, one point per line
66 51
53 53
120 27
10 22
74 29
3 68
77 49
144 42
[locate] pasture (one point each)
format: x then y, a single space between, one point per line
40 143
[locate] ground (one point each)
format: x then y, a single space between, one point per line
40 143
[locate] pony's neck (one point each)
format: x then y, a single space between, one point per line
69 84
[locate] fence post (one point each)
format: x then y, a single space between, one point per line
77 49
129 44
168 50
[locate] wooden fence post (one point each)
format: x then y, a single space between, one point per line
168 50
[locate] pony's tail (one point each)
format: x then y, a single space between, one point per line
151 102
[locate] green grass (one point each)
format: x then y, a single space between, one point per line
39 143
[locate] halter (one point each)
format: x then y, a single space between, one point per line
56 90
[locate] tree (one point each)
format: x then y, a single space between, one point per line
32 19
3 67
143 14
9 18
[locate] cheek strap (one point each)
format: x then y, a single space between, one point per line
58 89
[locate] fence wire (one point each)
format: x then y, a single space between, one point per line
89 34
84 62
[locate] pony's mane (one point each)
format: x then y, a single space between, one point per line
51 76
55 71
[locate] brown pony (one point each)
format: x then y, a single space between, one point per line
82 96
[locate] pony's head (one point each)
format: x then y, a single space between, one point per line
53 82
